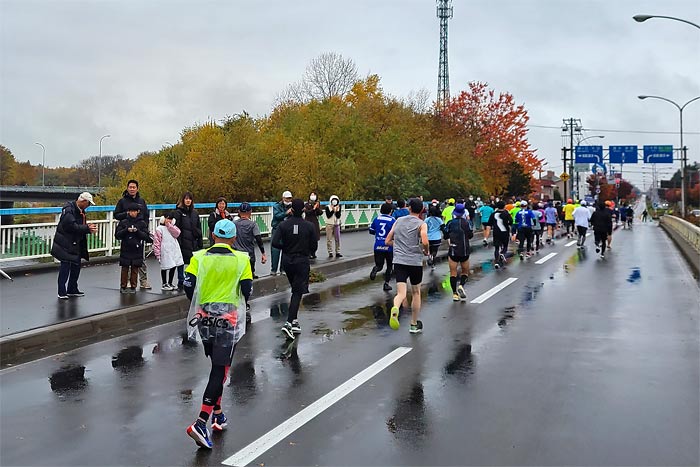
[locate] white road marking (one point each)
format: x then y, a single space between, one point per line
571 243
546 258
588 234
261 445
485 296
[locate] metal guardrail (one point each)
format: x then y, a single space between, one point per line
688 231
32 241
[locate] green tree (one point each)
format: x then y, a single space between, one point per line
7 166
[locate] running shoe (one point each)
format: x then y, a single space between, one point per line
132 290
63 297
145 285
121 290
218 422
485 243
455 297
522 255
394 319
373 273
287 330
338 255
330 255
200 434
416 328
602 256
77 293
296 327
461 292
497 266
503 258
430 260
386 287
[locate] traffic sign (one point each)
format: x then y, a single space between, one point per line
599 168
658 154
623 154
588 154
581 167
564 176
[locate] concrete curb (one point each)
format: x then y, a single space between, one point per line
40 342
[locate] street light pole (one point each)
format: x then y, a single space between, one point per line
642 18
99 163
578 177
683 149
43 164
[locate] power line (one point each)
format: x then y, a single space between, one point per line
621 131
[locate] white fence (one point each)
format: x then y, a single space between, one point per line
32 241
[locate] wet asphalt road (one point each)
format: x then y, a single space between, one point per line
579 361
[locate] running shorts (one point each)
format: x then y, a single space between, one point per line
459 259
404 272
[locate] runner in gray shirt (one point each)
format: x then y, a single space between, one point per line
248 235
409 237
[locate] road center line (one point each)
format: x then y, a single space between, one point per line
485 296
546 258
571 243
261 445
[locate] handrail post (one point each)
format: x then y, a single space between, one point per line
110 232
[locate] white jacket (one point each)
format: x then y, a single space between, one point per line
166 248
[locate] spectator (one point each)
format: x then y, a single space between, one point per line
248 236
133 233
280 212
333 221
131 195
167 250
312 209
70 244
190 239
216 215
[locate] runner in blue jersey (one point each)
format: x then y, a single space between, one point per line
434 222
380 228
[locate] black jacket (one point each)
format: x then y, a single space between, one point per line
70 241
500 221
311 215
296 238
458 232
120 209
131 253
215 217
601 220
190 239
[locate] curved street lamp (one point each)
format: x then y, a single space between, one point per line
99 163
642 18
43 164
682 148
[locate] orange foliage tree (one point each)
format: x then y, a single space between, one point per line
496 128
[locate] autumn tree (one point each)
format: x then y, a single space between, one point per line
7 166
495 128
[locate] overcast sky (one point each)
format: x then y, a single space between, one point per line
73 71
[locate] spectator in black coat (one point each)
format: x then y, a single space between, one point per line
131 196
312 210
218 214
70 244
133 233
190 239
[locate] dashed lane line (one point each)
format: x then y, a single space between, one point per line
485 296
546 258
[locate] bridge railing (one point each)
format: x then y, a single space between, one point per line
34 240
689 232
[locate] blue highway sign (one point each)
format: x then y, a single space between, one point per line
658 154
623 154
588 154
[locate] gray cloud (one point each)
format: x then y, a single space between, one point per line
72 71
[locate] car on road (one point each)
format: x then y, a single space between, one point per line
695 212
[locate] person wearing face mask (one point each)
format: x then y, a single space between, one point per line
312 209
280 212
333 212
216 215
470 205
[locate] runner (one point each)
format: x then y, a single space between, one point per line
380 228
485 211
569 218
434 223
645 215
601 220
296 239
409 237
447 212
630 216
623 216
582 217
551 218
525 219
458 232
218 280
500 222
537 224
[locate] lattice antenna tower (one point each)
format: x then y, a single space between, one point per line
444 12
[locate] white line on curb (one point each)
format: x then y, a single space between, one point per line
485 296
258 447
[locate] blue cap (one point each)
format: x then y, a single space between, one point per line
225 229
245 207
459 210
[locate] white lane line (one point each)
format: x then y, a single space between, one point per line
485 296
588 234
255 449
571 243
546 258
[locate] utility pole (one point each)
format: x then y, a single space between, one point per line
571 126
444 12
